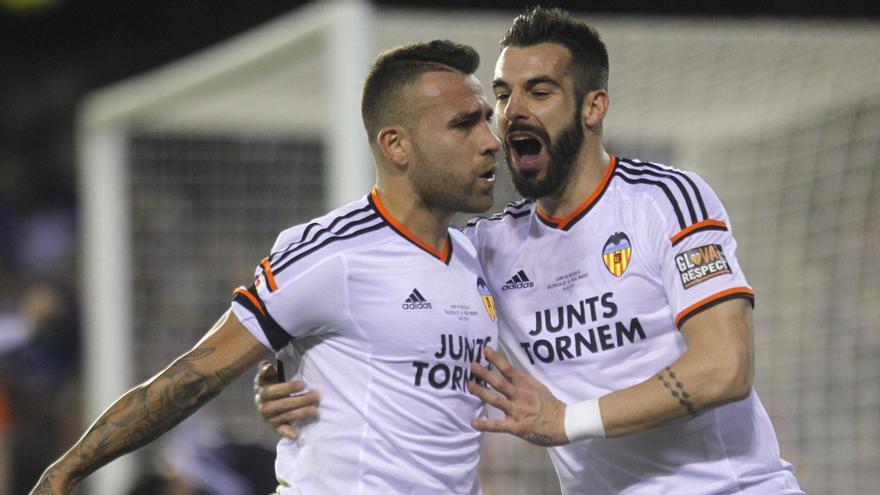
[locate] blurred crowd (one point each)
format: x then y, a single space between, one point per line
39 322
41 358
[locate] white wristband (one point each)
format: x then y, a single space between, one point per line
583 420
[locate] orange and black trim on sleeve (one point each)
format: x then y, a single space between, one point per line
250 300
698 227
713 300
267 273
444 254
565 223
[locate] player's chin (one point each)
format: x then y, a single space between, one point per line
479 202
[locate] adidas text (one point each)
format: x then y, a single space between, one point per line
416 305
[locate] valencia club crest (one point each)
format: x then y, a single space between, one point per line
486 295
617 253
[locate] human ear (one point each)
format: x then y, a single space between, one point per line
391 142
594 108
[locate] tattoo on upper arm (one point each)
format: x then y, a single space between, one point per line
676 388
151 409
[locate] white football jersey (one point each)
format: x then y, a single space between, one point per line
592 303
384 327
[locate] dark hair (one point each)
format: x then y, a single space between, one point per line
589 58
382 101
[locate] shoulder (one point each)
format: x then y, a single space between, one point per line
514 213
681 198
509 221
351 226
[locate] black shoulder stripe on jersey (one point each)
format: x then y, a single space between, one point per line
520 203
672 178
507 212
319 235
314 225
276 335
697 194
329 240
665 190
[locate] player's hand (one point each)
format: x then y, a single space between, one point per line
280 403
530 409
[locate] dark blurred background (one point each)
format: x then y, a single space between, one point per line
54 52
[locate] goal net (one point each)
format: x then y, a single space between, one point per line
189 172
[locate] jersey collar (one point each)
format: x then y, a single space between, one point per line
565 223
444 255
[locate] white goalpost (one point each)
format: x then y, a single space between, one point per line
188 172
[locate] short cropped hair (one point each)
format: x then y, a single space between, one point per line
589 58
383 101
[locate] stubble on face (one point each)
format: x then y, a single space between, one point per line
439 187
443 172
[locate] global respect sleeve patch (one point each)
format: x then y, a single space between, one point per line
700 264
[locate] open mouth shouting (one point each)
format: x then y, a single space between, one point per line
526 147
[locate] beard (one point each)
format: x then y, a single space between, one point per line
562 152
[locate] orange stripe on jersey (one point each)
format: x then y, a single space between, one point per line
270 277
247 294
563 222
697 226
442 254
687 312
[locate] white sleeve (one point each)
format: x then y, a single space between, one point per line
286 302
698 263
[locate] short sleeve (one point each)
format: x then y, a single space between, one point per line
698 262
294 300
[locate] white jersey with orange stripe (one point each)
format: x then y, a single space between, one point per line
384 327
592 303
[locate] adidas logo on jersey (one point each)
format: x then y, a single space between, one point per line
416 301
518 281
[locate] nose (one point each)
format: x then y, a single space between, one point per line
515 108
489 140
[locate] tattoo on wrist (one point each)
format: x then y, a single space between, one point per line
538 439
676 388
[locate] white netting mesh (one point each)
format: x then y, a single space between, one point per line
204 212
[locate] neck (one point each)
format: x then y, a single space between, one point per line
587 173
430 225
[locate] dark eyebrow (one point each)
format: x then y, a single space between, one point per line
474 116
531 83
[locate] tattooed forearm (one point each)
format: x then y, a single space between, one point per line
44 488
539 439
149 410
676 388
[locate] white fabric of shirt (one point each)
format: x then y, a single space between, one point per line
575 325
385 331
